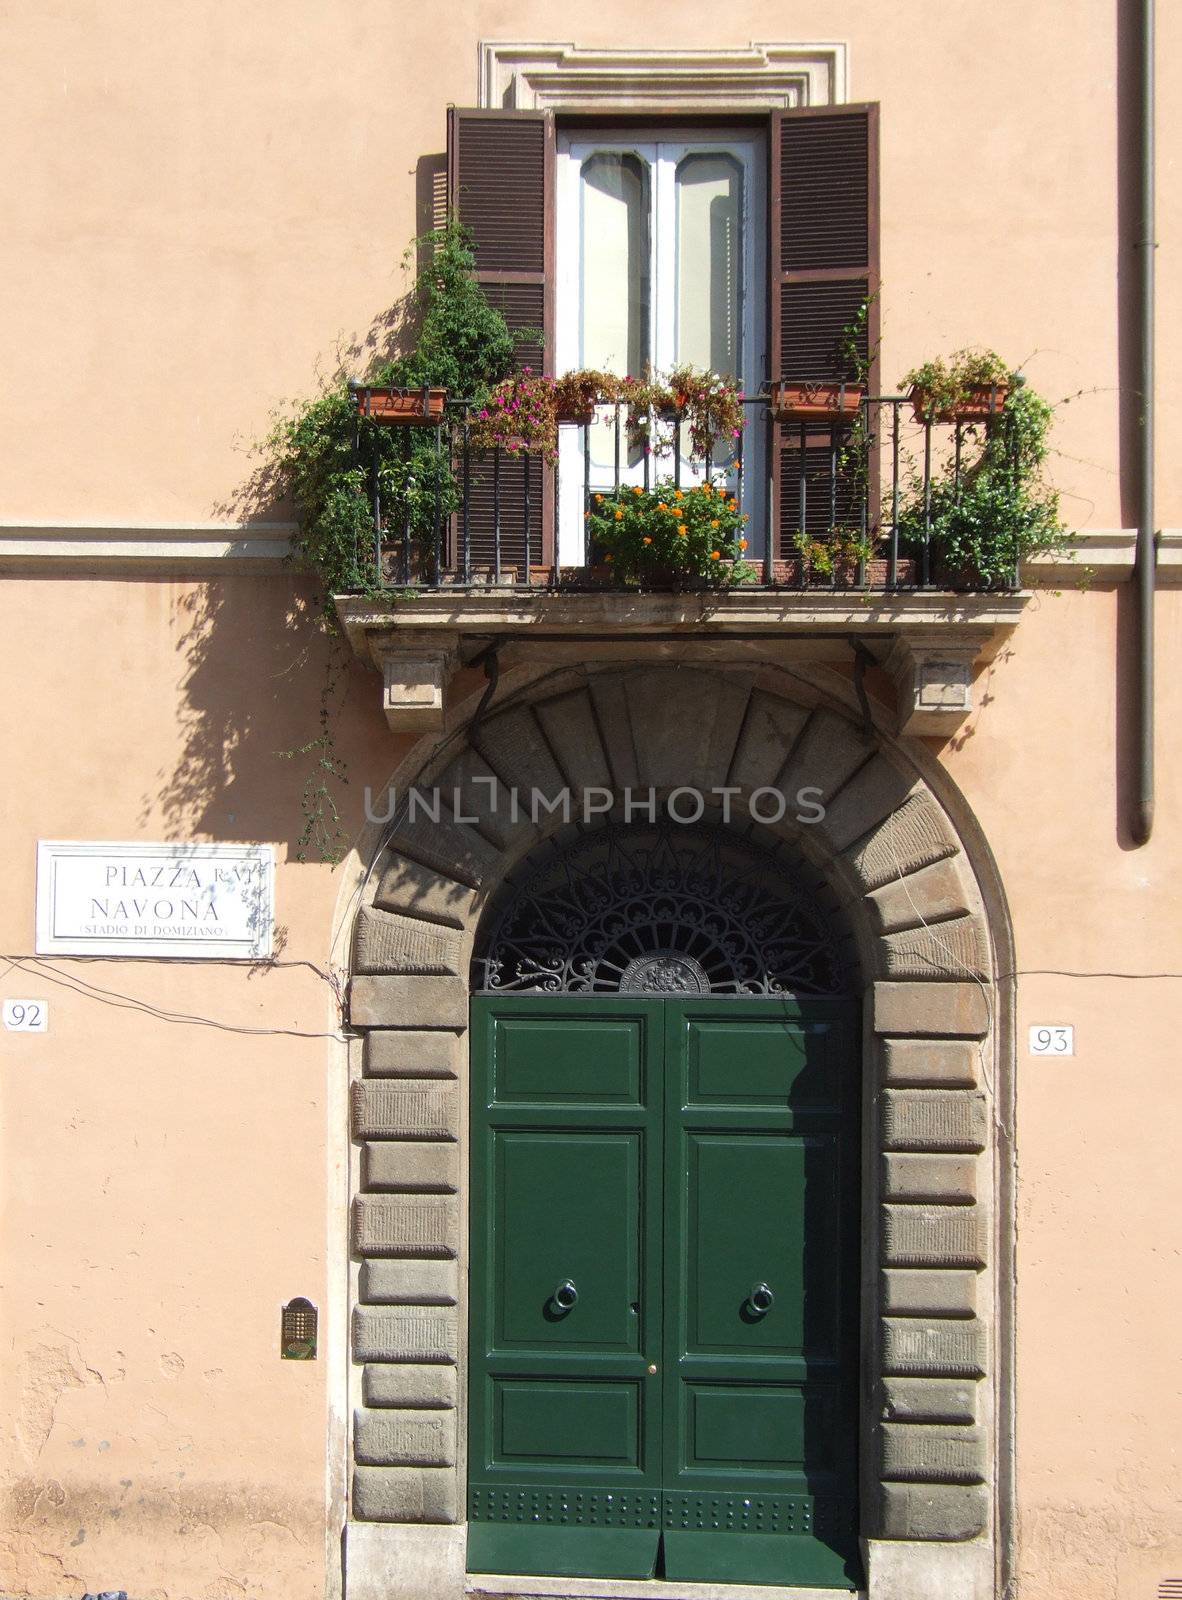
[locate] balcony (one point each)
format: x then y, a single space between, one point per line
499 558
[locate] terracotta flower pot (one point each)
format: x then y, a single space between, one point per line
982 401
406 408
834 403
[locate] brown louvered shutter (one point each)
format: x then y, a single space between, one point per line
501 189
823 255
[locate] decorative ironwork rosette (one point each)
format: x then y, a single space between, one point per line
660 910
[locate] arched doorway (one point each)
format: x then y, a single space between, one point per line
663 1283
899 857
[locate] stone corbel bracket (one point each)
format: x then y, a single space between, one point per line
415 671
933 673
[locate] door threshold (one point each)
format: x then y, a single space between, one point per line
500 1586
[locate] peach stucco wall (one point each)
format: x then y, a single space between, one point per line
204 203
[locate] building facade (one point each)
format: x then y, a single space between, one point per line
711 1123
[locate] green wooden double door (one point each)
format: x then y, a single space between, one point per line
663 1346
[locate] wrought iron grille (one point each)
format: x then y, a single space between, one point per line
661 910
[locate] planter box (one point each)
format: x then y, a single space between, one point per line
983 400
401 408
835 404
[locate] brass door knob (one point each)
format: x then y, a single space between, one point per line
652 1367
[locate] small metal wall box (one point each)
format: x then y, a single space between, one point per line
297 1339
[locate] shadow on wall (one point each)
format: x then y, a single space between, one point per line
256 663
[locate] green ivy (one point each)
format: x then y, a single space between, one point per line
1000 510
464 346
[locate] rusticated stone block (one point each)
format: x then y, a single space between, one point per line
513 744
385 941
908 1399
478 798
928 1063
933 1236
934 1119
406 886
387 1001
952 949
426 1225
829 751
932 1511
569 725
933 894
875 791
947 1348
405 1108
414 1334
932 1453
416 1388
927 1292
416 1283
429 833
693 750
916 1009
409 1167
404 1438
609 697
404 1494
950 1180
412 1053
914 836
770 728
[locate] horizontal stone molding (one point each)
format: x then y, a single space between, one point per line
419 1334
423 1225
934 1119
400 1282
155 549
412 1053
415 1438
405 1494
405 1108
413 1387
926 1348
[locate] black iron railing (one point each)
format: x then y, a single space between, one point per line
478 518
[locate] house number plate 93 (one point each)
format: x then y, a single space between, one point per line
1052 1039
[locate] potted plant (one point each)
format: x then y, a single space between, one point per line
835 404
981 517
576 394
519 416
393 406
837 559
708 406
971 386
666 537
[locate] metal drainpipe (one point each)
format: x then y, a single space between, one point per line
1146 572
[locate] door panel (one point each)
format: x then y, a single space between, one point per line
688 1170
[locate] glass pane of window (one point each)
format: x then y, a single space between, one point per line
615 264
709 262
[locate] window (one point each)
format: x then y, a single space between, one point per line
745 245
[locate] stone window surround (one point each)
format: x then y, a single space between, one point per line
935 1251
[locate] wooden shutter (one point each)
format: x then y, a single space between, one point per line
823 258
500 167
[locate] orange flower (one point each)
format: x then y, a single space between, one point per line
714 554
714 522
619 516
598 499
607 558
677 494
678 512
706 489
682 534
661 506
637 489
647 540
742 544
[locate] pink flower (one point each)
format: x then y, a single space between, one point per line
484 413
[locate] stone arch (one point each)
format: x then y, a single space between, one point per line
902 873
